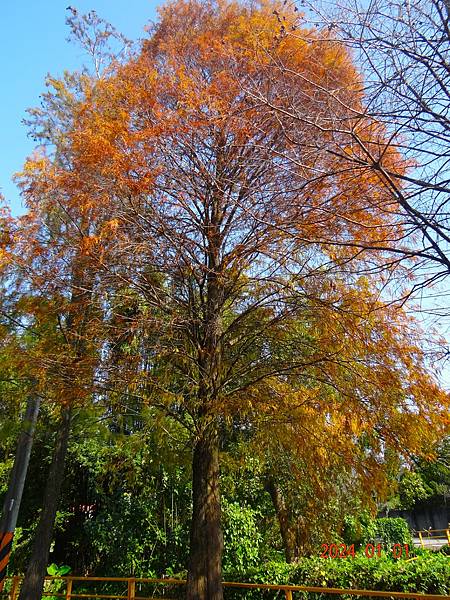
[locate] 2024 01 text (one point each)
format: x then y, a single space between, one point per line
371 550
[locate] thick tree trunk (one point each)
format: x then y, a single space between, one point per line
206 542
34 577
287 534
205 561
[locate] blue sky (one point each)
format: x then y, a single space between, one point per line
33 43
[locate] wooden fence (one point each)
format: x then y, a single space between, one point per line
131 585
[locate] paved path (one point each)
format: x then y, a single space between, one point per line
430 542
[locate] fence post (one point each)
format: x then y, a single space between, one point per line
131 589
421 540
288 594
69 589
14 587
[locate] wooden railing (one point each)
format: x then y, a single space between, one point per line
132 583
429 534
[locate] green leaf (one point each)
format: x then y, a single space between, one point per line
52 569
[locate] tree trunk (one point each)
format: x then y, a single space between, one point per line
205 561
287 533
33 582
13 496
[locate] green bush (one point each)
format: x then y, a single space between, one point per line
242 538
359 529
392 531
428 573
363 529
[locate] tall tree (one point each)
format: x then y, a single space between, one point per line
216 220
55 284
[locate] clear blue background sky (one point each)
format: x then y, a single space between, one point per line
33 43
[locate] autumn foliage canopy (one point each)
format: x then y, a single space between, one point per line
189 246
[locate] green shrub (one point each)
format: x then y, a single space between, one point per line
428 573
359 529
363 529
242 538
392 531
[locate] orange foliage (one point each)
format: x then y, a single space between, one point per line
170 164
